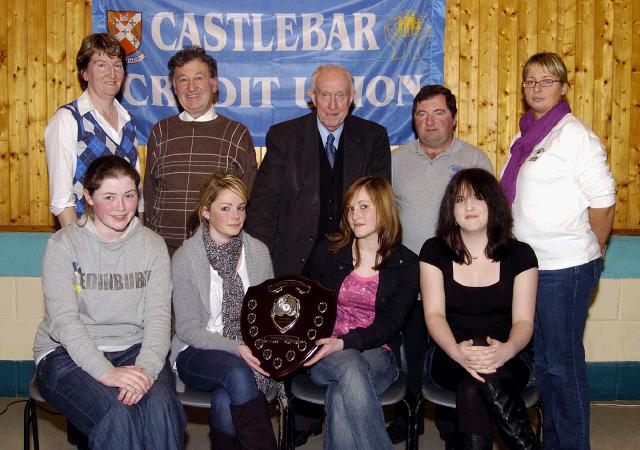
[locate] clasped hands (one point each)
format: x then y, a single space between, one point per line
480 359
133 383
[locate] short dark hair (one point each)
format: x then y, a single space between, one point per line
500 223
98 43
431 90
110 166
188 54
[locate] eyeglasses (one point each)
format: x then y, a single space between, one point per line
545 83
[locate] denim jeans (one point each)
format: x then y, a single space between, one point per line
157 421
354 417
562 305
229 379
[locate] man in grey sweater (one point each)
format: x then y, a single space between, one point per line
421 170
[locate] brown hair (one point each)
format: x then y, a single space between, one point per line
98 43
216 183
389 229
110 166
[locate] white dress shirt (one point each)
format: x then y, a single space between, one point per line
209 115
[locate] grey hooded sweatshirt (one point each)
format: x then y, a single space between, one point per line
102 296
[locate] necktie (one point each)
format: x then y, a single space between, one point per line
330 149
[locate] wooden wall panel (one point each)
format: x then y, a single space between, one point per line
528 35
633 218
37 115
18 112
4 72
620 113
467 89
547 24
5 179
583 78
56 54
486 44
508 79
488 96
603 61
5 184
566 42
452 45
75 31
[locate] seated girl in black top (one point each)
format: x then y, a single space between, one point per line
479 287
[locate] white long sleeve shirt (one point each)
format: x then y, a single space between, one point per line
565 175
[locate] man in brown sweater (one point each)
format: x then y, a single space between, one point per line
183 150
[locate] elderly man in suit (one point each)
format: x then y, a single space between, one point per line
310 163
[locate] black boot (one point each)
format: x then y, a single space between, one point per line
253 425
221 441
398 429
451 441
509 413
477 441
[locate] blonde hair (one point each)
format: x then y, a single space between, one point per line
551 62
216 183
388 228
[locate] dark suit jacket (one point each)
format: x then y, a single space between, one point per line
284 208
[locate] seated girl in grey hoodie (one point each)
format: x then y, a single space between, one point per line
101 350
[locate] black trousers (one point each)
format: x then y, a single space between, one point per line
471 415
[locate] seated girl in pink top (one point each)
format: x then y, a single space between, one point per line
376 278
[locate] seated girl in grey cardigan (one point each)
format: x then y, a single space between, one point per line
211 273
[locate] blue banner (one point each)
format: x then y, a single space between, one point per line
266 52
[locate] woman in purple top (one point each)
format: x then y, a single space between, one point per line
376 279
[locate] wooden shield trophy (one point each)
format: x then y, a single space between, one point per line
282 319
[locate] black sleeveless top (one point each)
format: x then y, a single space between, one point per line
478 312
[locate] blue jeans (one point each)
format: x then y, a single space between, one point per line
562 305
229 379
355 379
157 421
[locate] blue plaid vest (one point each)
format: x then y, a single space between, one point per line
93 142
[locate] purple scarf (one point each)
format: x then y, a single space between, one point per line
532 132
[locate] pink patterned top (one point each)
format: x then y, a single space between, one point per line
356 303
